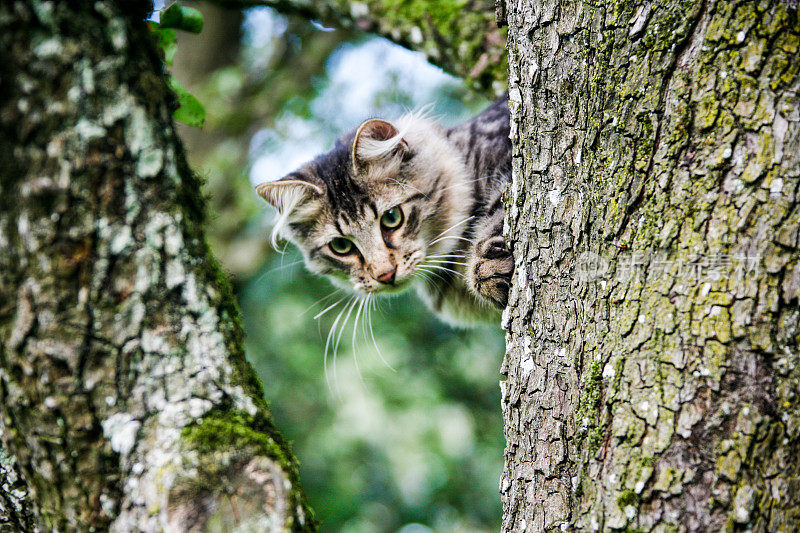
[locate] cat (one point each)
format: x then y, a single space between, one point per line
409 203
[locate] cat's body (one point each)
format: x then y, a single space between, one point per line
409 203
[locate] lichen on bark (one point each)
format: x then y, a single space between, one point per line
118 332
15 512
653 322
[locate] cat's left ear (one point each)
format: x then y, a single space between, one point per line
377 140
287 192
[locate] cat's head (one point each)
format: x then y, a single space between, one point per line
370 210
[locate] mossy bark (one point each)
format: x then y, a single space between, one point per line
119 337
653 363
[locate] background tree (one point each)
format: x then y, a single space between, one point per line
126 399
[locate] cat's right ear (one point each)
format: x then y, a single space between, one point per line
284 194
377 140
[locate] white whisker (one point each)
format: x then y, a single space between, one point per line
319 302
408 185
438 267
370 307
351 304
450 229
443 262
433 283
327 345
353 341
450 237
277 268
439 256
318 315
435 274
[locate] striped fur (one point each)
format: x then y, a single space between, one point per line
447 183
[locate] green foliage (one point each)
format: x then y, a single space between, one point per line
380 448
190 111
176 17
182 18
166 41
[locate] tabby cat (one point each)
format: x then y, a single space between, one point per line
409 203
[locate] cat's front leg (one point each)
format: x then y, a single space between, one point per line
491 265
491 271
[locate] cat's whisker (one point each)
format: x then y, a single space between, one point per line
404 186
451 228
423 277
446 256
451 237
445 267
328 344
439 267
361 301
321 313
351 304
433 272
319 302
276 269
370 307
419 274
426 275
454 253
445 262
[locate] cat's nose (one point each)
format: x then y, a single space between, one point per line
388 276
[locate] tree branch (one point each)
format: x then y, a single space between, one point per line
461 37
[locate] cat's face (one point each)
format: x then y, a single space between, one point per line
367 212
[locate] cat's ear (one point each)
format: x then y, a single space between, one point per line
377 140
286 193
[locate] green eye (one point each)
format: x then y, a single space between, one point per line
341 246
392 218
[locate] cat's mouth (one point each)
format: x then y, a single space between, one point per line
399 285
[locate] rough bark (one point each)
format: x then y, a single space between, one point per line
653 361
15 511
125 397
461 36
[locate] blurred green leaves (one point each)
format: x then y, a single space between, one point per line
379 449
182 18
166 41
190 111
176 17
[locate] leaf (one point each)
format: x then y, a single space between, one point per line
166 40
190 110
182 18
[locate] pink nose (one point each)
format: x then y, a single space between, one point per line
388 276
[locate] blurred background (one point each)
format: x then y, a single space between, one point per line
405 434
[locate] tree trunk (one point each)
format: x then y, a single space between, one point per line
125 397
653 363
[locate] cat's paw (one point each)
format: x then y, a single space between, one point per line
491 270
